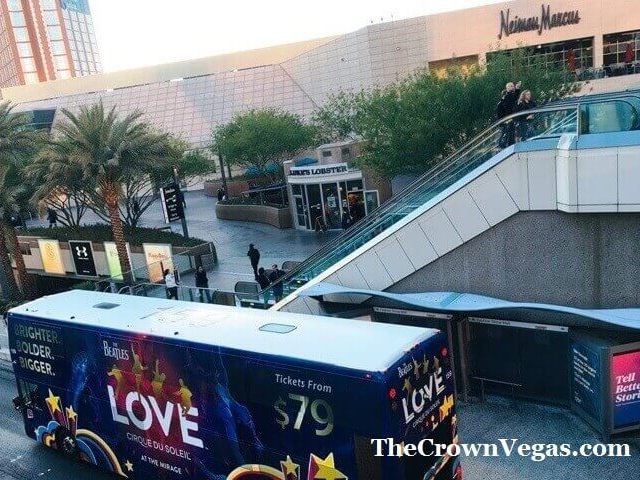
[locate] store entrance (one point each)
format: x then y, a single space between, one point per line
322 206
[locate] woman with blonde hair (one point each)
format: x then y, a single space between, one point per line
525 102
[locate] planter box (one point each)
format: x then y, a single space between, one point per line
278 217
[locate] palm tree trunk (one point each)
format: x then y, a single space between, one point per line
26 281
111 199
10 289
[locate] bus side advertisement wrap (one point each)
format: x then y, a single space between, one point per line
421 396
145 407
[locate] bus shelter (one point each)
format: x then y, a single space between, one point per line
584 359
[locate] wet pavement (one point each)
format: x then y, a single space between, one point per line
231 238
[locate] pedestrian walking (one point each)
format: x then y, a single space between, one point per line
220 194
170 284
254 256
202 282
277 286
506 107
347 219
52 216
263 281
525 102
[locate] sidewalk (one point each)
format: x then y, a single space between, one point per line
231 239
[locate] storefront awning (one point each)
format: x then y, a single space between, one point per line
453 302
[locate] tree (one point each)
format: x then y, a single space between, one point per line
261 137
140 189
409 126
108 150
59 183
18 143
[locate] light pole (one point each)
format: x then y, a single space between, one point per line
183 217
224 178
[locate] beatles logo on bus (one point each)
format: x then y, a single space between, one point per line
546 21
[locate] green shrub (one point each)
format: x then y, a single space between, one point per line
102 233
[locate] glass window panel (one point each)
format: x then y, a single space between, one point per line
61 62
24 49
31 78
17 19
64 74
14 5
51 18
58 47
28 65
55 33
48 4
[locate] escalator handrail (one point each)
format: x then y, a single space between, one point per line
563 105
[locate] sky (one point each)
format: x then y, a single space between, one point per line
135 33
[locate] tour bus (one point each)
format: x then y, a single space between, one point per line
154 388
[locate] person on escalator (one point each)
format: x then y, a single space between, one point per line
506 106
525 102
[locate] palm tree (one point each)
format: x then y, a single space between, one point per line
18 142
107 149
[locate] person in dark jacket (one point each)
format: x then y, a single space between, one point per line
202 282
278 288
525 102
506 107
347 219
264 283
52 216
254 256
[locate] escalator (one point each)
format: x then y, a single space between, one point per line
601 113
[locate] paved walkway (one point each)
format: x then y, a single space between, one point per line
231 239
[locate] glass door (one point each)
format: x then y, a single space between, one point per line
314 199
332 206
371 200
301 212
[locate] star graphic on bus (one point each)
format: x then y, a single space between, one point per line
129 466
290 470
407 385
53 402
320 469
445 408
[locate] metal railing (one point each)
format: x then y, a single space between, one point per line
543 123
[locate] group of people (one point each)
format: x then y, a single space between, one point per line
202 284
515 100
265 279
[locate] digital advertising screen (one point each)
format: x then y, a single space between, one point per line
625 389
586 379
51 256
158 258
82 255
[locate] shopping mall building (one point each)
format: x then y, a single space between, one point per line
595 38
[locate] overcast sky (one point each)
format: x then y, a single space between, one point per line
134 33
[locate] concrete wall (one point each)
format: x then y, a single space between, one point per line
278 217
583 260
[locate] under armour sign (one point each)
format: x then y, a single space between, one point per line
82 255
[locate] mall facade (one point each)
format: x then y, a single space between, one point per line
191 98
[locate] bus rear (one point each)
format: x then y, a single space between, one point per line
422 414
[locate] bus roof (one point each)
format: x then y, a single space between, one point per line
360 345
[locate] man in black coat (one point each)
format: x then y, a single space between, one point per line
275 275
506 106
254 256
